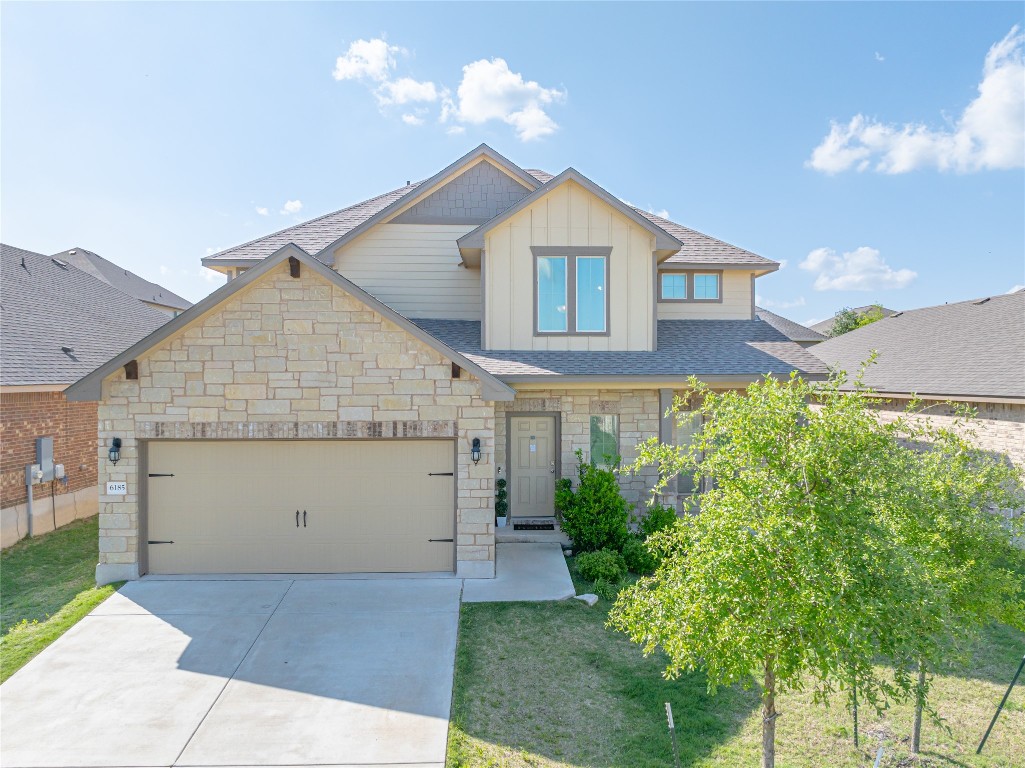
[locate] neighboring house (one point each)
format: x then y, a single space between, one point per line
148 293
803 335
348 399
57 323
970 352
825 326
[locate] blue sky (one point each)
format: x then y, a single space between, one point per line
875 148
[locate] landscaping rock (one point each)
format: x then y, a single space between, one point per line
590 599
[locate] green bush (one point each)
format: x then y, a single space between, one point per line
604 564
595 515
656 519
639 559
501 497
606 589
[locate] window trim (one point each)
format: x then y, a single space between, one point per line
689 276
571 253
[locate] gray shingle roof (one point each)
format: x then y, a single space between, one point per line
825 326
790 329
44 307
700 347
316 234
119 277
971 348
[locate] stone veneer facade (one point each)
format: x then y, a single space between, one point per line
638 411
293 358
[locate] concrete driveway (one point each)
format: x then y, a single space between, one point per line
266 672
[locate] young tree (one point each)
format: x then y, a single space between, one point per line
848 319
805 562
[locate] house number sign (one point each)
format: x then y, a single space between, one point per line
117 489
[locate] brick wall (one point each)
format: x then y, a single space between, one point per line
24 416
999 427
291 358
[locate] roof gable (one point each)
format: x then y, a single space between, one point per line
471 243
90 386
122 279
424 189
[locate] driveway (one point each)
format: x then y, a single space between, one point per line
267 672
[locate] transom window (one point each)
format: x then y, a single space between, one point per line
571 290
686 285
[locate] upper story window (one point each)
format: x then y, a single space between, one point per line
571 293
689 286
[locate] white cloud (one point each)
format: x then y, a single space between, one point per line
405 90
1016 288
367 59
291 207
880 57
859 270
262 211
165 271
489 90
783 263
761 301
990 134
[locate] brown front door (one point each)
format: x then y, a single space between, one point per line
532 466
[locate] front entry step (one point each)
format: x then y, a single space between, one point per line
513 534
534 524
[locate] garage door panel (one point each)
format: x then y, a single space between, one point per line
370 506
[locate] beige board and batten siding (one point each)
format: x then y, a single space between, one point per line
415 269
569 215
736 290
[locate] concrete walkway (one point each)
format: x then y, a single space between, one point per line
523 572
243 673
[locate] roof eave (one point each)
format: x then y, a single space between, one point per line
472 242
90 386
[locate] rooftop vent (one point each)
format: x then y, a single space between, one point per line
982 301
896 314
62 264
70 351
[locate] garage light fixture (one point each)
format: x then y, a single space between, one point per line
115 450
475 450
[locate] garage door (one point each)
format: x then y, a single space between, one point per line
307 506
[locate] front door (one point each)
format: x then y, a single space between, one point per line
532 466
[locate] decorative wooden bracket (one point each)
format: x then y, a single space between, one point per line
457 372
293 266
132 369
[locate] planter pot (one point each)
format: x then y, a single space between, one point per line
500 521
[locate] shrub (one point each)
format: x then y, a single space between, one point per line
595 515
501 497
606 589
657 518
604 564
639 559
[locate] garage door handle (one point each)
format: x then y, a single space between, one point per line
440 474
160 542
440 539
297 518
161 474
304 518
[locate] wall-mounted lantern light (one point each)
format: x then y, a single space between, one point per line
475 450
115 450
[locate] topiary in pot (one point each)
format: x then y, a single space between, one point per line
501 502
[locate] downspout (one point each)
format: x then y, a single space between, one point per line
28 504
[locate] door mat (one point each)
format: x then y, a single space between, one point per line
534 525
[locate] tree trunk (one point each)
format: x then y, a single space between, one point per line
769 716
916 733
854 707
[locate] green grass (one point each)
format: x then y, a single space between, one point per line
546 685
46 586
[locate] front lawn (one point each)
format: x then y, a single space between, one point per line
46 586
545 685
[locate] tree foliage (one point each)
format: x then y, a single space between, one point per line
848 319
828 539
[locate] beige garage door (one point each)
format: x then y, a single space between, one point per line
308 506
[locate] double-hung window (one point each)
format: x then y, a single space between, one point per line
571 290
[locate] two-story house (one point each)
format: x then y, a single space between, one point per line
348 399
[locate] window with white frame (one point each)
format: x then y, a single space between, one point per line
706 286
